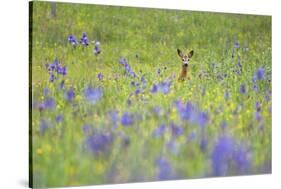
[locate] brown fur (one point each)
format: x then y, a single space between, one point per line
183 73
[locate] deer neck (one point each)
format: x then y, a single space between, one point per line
184 71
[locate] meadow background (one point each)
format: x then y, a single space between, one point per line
121 115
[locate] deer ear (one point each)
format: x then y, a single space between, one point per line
190 54
180 53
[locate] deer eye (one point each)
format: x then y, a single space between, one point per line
183 59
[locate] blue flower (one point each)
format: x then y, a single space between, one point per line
159 131
173 146
202 119
203 143
154 88
186 111
255 88
72 40
48 103
99 143
114 117
221 154
158 71
176 130
69 96
226 95
236 44
59 118
127 67
100 76
43 126
228 157
61 70
52 78
84 39
260 73
61 85
164 168
163 87
45 91
242 89
127 119
97 49
258 106
138 91
93 95
86 129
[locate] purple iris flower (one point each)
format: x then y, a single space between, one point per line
97 49
84 39
72 40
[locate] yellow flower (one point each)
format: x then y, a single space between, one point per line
100 167
39 151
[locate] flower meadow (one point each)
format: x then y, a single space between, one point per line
106 105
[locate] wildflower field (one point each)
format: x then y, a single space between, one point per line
106 105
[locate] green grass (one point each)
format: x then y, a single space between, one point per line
148 39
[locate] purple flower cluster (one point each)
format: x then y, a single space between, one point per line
188 112
55 69
99 143
227 155
72 40
48 103
84 39
127 67
163 87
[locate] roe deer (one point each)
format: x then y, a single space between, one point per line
185 60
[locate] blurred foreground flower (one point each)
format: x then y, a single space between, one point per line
69 95
229 158
164 168
98 143
93 95
127 119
